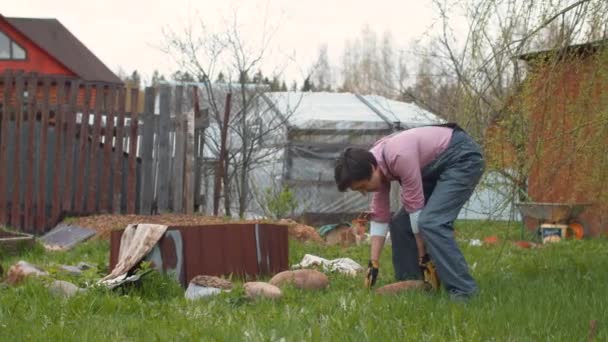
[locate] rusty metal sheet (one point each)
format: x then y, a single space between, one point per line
219 250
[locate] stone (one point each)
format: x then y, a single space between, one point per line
64 288
203 286
258 289
74 270
19 271
194 291
302 279
403 286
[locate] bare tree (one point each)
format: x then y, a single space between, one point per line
202 53
485 65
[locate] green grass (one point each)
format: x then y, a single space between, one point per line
544 294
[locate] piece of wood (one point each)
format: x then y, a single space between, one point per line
94 152
58 151
70 117
164 149
118 153
132 168
83 155
16 181
28 207
108 166
43 166
6 116
190 157
147 147
179 159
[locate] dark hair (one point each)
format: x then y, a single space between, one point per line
354 164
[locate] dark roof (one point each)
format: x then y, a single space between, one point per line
584 49
51 36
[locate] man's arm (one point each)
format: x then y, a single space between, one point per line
380 218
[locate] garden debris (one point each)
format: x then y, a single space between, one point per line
402 286
76 270
343 235
301 232
205 286
13 243
475 242
136 242
301 279
342 265
65 236
258 289
525 244
491 240
64 288
125 279
19 271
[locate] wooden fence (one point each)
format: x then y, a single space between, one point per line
74 148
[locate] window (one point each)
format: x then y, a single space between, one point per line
10 50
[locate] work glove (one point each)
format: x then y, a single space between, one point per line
372 274
429 272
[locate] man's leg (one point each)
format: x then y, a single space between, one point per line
405 252
464 166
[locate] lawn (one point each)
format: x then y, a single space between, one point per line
550 293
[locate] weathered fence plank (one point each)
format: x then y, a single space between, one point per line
94 152
6 116
118 150
16 182
70 118
163 149
147 161
58 150
189 163
178 161
131 177
83 156
110 100
41 218
28 207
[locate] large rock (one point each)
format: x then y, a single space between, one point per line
258 289
203 286
64 288
302 279
403 286
19 271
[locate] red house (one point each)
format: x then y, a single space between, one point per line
46 47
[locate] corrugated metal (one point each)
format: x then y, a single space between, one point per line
243 250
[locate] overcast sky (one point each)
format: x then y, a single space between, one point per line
127 33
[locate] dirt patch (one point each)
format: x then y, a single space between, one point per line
104 224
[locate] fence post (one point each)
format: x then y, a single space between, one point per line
132 169
189 192
4 131
178 161
57 174
163 149
28 212
118 153
83 156
147 161
70 117
42 168
108 165
94 152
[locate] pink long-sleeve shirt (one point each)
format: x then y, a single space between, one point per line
401 157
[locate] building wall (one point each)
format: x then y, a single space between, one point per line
568 106
37 60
